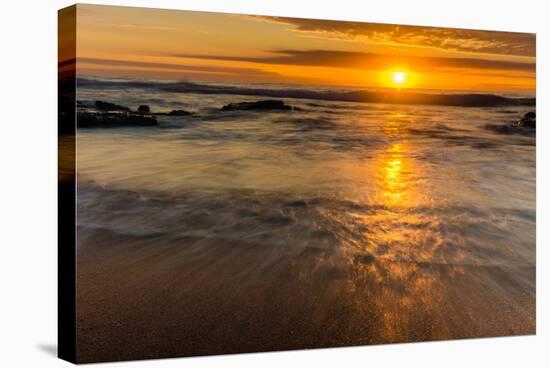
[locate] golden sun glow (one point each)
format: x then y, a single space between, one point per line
399 78
256 49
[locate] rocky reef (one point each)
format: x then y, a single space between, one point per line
529 120
526 125
175 113
259 106
102 114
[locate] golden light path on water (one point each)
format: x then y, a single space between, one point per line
396 230
395 187
399 188
388 266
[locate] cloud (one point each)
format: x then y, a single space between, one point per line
370 61
175 67
451 39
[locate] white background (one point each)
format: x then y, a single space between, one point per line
28 180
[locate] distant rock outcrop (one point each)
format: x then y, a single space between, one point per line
174 113
259 105
143 109
179 113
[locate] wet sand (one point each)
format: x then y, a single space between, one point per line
159 296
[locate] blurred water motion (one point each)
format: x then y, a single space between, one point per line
341 224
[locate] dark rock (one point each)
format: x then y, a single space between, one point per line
143 109
258 105
529 120
107 106
524 126
113 120
179 113
174 113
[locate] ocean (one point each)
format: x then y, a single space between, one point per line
337 223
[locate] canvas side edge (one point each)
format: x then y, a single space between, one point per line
66 246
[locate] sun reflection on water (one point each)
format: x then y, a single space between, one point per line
394 185
400 239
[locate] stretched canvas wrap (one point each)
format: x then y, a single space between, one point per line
236 183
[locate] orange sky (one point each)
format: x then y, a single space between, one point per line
153 43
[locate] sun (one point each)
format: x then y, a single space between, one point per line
399 78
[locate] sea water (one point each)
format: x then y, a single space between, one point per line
337 223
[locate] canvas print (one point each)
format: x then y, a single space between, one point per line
235 183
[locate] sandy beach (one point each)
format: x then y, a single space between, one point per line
181 298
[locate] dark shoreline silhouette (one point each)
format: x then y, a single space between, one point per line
392 97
